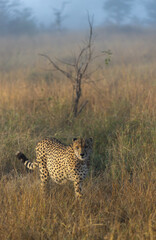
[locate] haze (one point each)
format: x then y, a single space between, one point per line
74 12
31 16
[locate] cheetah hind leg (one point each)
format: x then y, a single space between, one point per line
44 176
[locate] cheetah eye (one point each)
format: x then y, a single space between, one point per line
77 147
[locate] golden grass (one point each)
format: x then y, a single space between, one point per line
109 210
120 193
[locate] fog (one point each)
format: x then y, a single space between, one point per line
31 16
73 13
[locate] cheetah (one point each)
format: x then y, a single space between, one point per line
61 162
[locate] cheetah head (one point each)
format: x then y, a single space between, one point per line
82 148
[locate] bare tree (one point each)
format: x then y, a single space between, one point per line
79 69
59 16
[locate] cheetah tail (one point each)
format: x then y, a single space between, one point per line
25 161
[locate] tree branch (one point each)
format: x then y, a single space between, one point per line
68 75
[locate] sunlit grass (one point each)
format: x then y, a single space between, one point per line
119 193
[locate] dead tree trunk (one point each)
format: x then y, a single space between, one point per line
77 96
78 70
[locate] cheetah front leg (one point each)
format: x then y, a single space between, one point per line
78 189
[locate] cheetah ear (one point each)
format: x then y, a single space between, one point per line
74 139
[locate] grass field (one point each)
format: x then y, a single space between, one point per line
120 192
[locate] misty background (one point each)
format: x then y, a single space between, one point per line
33 16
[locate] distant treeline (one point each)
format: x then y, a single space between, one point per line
17 19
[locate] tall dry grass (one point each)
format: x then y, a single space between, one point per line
120 192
